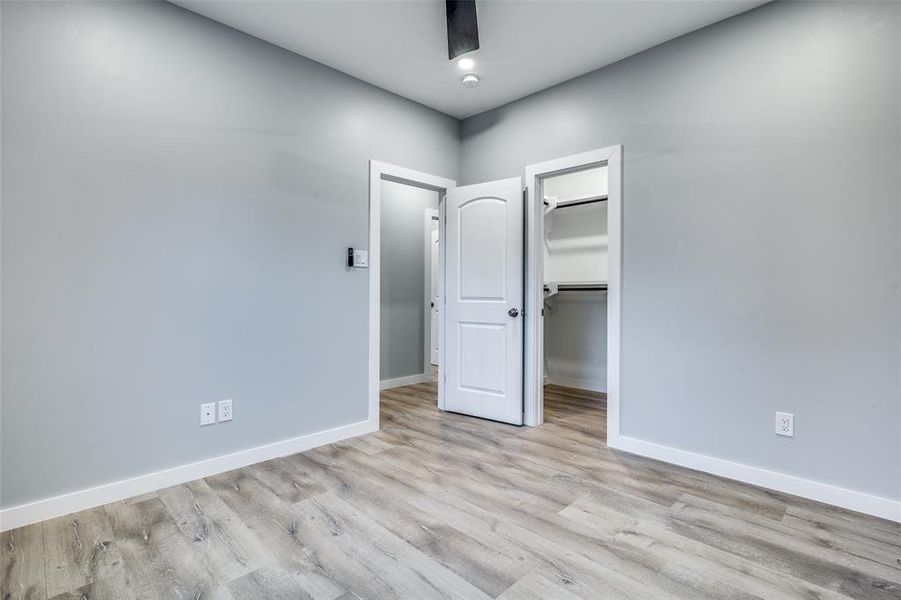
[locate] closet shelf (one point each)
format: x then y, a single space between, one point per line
554 287
554 204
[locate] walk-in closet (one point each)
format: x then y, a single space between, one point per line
575 279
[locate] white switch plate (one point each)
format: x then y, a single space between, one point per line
225 410
785 424
208 413
361 258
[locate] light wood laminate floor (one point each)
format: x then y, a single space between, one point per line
438 505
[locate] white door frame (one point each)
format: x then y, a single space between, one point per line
379 171
431 214
533 401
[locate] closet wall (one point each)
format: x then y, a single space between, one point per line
575 340
575 251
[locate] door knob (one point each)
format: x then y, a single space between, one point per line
513 312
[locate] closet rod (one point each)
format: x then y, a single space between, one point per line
577 287
580 202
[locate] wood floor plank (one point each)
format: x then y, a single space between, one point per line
863 546
372 561
158 560
79 548
215 533
367 444
392 504
274 583
141 498
290 479
784 552
628 523
432 497
106 588
528 519
534 586
275 525
440 505
832 520
22 575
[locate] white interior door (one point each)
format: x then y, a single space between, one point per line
434 294
483 358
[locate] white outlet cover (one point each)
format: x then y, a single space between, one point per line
785 424
225 410
208 413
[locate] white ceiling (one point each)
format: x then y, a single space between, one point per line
526 46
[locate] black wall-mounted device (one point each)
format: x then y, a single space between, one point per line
357 259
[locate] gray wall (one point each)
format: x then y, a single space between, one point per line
762 217
575 340
177 200
402 287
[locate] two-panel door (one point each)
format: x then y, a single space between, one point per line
483 349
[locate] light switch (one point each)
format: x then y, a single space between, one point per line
361 258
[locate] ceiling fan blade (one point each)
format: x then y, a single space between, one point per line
462 27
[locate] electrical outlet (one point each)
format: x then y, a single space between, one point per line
785 424
225 410
208 413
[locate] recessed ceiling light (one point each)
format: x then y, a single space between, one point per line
470 80
466 63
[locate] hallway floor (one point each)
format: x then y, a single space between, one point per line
437 505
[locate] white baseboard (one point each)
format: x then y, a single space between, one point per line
387 384
876 506
582 384
40 510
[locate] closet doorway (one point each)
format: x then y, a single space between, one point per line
573 279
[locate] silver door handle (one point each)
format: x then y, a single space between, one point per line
513 312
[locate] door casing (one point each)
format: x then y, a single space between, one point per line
533 384
379 171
